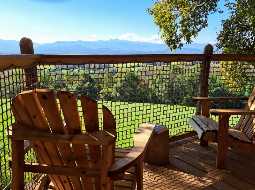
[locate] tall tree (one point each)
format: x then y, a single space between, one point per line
238 33
180 21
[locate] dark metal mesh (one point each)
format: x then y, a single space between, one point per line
12 83
135 92
231 78
159 93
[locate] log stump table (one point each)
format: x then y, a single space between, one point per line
158 149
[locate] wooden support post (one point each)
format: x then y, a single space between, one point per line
157 151
17 165
204 76
139 174
204 80
222 140
26 47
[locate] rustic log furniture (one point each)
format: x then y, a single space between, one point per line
241 136
72 159
158 149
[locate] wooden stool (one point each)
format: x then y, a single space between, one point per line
158 149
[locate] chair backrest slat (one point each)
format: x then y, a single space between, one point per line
109 123
90 114
49 112
68 103
20 112
47 152
48 101
247 122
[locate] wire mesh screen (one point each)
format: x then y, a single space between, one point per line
159 92
12 83
231 78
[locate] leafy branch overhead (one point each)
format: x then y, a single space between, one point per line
180 21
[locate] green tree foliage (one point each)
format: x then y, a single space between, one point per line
108 85
88 86
219 88
181 20
78 81
134 89
181 89
235 76
238 34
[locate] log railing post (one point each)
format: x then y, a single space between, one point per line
204 80
26 47
203 107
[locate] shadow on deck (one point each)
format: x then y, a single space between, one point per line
194 167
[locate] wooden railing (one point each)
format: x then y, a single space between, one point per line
29 62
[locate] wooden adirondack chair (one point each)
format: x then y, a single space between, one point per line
241 136
72 159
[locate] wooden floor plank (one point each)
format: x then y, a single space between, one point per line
193 167
241 166
199 159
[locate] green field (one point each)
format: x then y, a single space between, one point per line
130 115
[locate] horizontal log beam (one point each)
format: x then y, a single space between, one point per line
25 61
115 59
232 112
220 99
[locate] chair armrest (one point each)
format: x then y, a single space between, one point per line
219 99
141 140
232 112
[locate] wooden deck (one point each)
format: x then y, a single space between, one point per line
194 167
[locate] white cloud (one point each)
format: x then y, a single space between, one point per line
135 37
49 38
125 36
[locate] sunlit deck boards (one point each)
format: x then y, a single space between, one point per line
193 167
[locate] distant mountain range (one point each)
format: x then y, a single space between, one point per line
99 47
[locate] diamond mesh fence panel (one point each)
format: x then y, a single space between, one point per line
159 92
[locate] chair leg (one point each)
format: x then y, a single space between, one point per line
17 165
222 141
139 174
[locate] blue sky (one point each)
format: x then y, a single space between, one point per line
69 20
